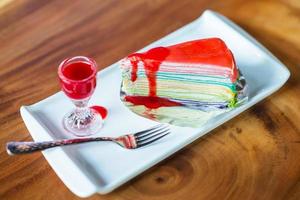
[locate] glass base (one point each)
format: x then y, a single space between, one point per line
84 123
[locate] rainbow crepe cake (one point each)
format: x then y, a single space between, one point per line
183 84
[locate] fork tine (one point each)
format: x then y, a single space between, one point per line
149 129
144 135
151 141
151 135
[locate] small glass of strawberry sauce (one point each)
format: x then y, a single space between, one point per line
77 77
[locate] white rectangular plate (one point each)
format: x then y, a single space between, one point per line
101 167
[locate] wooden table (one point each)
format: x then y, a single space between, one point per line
253 156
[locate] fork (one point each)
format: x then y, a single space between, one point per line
129 141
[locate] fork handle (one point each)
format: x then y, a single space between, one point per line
13 148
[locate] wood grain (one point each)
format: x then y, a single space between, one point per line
253 156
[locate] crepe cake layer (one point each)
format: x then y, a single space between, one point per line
199 74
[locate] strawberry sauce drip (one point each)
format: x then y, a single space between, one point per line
134 59
151 61
101 111
151 102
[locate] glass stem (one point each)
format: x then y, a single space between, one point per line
82 115
81 105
